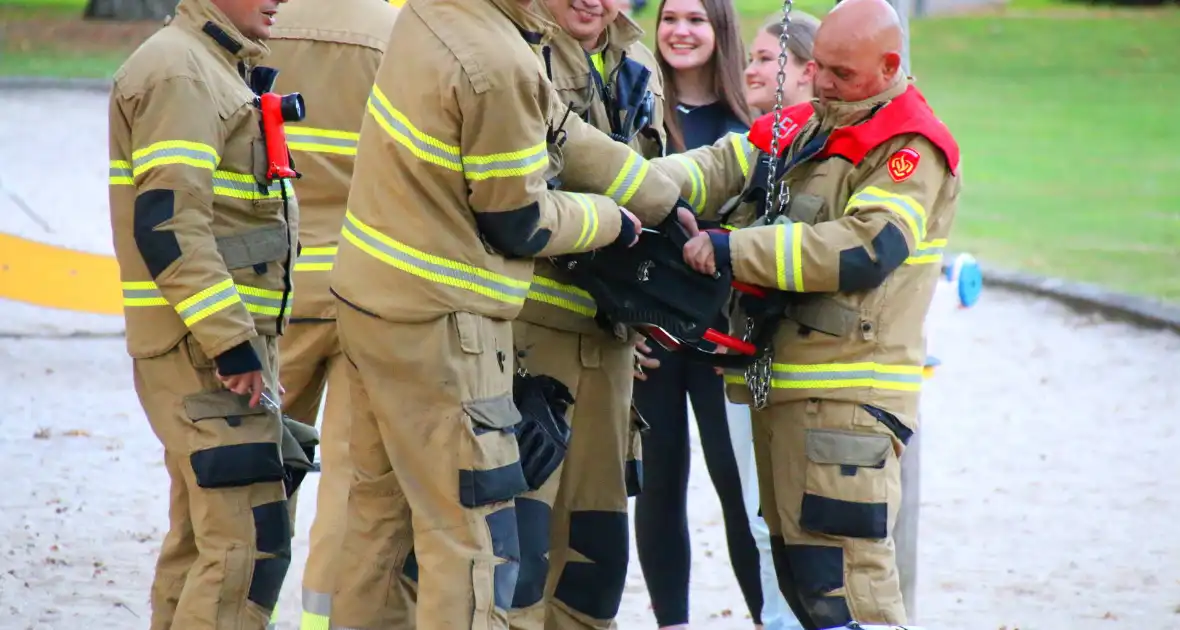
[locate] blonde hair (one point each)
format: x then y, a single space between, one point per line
800 33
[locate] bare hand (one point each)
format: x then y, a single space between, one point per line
243 384
698 254
642 361
637 225
688 220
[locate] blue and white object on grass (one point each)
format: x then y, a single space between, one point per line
964 273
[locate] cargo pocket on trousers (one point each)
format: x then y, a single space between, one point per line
235 445
846 489
489 464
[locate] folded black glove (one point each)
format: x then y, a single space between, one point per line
543 433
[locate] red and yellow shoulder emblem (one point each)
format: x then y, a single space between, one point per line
902 164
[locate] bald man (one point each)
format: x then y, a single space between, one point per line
849 265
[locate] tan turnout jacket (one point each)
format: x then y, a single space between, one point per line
553 301
204 242
862 249
329 52
449 203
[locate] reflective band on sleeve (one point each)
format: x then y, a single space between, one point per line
142 294
430 267
424 147
904 206
213 300
589 220
262 301
317 603
741 149
316 259
565 296
511 164
906 378
313 140
167 152
696 179
788 256
928 253
244 186
121 173
629 179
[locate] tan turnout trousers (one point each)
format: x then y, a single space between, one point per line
831 490
310 362
228 545
574 529
436 469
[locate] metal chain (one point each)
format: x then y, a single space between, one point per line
759 372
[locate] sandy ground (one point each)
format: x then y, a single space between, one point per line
1047 502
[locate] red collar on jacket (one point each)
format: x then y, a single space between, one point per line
908 113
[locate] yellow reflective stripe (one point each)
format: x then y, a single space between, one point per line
244 186
208 302
262 301
166 152
928 253
565 296
741 149
316 259
312 621
788 256
903 206
842 376
421 145
510 164
315 140
628 180
696 180
589 221
142 294
598 63
121 174
430 267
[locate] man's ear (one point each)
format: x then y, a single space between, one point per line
892 64
809 71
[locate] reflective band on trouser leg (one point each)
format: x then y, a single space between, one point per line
274 619
317 607
840 376
316 259
565 296
788 256
312 140
433 268
929 253
903 206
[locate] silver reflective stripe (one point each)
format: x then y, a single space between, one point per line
421 147
142 294
514 164
317 603
429 270
321 140
808 376
173 152
696 178
262 301
316 259
628 179
120 171
207 302
789 257
570 298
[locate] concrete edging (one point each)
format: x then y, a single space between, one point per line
54 83
1088 298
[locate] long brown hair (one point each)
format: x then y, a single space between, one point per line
728 62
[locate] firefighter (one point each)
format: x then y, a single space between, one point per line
204 233
329 52
448 208
873 179
574 530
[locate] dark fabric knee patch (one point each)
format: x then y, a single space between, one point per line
595 588
806 574
267 580
505 545
844 518
272 527
237 465
634 477
532 520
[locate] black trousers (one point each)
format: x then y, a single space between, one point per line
661 511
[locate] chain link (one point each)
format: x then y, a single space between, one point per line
758 372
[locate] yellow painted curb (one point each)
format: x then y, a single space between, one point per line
57 277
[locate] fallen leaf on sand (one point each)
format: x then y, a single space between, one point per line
77 433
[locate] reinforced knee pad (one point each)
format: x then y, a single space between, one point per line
806 574
543 433
272 538
532 521
595 588
506 546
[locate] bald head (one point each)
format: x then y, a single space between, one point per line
857 50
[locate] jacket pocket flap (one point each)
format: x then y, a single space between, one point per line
846 448
207 405
493 413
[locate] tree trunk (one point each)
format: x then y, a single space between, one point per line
129 10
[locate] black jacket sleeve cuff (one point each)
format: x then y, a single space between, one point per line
720 248
240 359
626 232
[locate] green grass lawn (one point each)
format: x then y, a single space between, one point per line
1071 161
